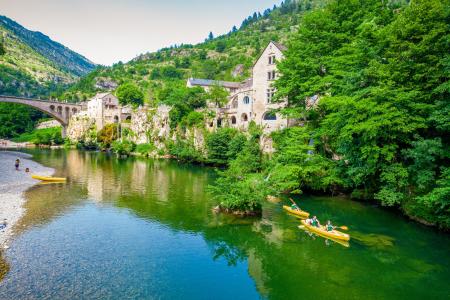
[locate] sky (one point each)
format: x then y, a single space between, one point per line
108 31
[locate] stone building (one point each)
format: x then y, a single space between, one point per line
251 100
104 108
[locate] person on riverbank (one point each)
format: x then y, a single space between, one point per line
17 164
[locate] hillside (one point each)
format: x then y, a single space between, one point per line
32 65
62 57
227 57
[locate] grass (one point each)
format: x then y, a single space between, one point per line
32 136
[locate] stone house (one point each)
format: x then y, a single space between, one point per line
251 100
104 108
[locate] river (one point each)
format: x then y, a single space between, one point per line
140 228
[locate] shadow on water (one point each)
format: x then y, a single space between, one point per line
388 257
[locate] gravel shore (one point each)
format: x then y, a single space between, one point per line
12 185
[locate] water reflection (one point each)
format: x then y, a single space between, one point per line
169 199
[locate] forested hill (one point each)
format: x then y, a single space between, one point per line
226 57
63 58
32 65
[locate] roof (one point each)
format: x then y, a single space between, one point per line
101 95
208 82
280 46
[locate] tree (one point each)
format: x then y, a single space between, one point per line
221 46
210 36
382 77
2 48
128 93
218 95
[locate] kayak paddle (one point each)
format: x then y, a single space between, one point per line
342 227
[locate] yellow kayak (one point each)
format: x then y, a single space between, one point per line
300 213
47 178
335 235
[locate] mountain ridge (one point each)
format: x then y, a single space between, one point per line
63 57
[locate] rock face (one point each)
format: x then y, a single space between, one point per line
105 84
48 124
151 125
79 127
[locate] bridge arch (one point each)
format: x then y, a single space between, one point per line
61 112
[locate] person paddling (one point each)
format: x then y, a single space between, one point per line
315 222
17 163
295 207
329 226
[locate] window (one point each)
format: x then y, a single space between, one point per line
270 116
244 117
233 120
234 104
271 75
270 95
246 100
272 60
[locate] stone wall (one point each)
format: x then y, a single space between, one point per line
78 127
151 125
48 124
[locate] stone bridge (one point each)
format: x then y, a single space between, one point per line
60 111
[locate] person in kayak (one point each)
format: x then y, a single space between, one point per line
329 226
16 164
315 222
295 207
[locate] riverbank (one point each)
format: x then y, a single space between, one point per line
12 185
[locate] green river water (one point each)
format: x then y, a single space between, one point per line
144 229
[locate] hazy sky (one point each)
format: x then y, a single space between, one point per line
106 31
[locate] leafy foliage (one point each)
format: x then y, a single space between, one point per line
381 71
107 135
129 94
124 147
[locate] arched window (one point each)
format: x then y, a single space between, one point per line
219 123
234 104
246 100
270 116
233 120
116 119
244 117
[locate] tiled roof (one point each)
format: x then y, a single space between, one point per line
280 46
208 82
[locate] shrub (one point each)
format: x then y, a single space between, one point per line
107 135
145 149
124 147
193 119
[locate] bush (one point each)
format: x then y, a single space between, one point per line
184 151
107 135
124 147
218 145
145 149
193 119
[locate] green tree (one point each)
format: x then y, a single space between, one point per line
218 95
128 93
2 48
